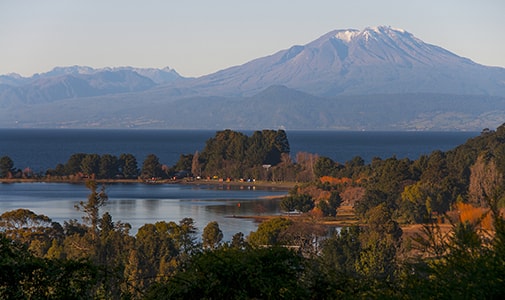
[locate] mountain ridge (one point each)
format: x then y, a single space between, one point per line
313 84
365 64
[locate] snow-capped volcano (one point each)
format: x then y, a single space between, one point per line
386 44
368 33
369 61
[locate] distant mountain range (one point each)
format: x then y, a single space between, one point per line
378 78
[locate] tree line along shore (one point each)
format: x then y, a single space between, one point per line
427 228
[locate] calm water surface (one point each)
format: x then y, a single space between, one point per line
138 204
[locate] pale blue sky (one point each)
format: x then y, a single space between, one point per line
198 37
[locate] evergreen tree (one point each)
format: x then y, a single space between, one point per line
90 165
128 165
6 167
212 235
108 167
73 165
151 168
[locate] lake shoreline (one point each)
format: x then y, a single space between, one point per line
261 184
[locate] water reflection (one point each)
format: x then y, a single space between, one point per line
151 205
139 204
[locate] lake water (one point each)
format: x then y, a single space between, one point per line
41 149
137 204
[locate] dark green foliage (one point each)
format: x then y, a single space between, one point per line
73 165
352 168
270 232
24 276
90 164
329 208
108 167
6 166
59 170
325 166
233 154
371 199
212 235
263 273
341 251
35 231
334 203
151 168
238 241
127 164
301 203
96 199
380 241
184 163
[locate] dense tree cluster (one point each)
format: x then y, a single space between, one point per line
429 187
283 258
106 166
233 154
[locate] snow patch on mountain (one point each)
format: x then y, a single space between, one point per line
346 35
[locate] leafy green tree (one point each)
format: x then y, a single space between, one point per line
6 167
329 208
25 276
415 204
387 182
324 166
159 249
151 168
263 273
154 251
352 168
128 165
234 154
238 241
437 177
73 165
372 198
302 203
108 167
184 163
380 240
91 208
90 164
340 252
112 248
256 149
277 142
224 154
59 170
269 232
185 237
289 203
35 231
212 235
